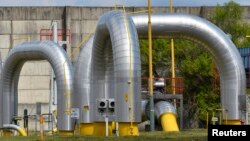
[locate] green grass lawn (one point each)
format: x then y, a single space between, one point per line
187 135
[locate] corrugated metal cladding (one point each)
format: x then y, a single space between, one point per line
245 54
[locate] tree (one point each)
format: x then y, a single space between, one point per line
160 54
229 19
194 64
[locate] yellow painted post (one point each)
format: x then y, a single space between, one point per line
152 120
173 67
212 118
172 57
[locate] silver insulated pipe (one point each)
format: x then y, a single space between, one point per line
162 107
121 31
82 83
119 68
57 57
17 128
1 96
222 49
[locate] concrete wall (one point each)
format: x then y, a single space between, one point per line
19 24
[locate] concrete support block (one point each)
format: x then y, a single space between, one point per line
33 96
75 13
4 53
31 13
76 39
76 26
4 41
6 13
18 39
35 82
32 27
39 68
88 26
84 26
93 13
5 27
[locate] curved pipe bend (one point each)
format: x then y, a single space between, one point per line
57 57
126 62
20 130
160 108
222 49
166 114
118 28
163 107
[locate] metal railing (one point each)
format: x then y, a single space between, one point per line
47 34
169 84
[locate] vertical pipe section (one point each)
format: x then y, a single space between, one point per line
53 91
82 97
54 29
1 95
151 98
172 58
14 88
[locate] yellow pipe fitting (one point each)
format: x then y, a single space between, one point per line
7 133
232 122
126 129
113 125
22 132
100 129
66 133
86 129
169 123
